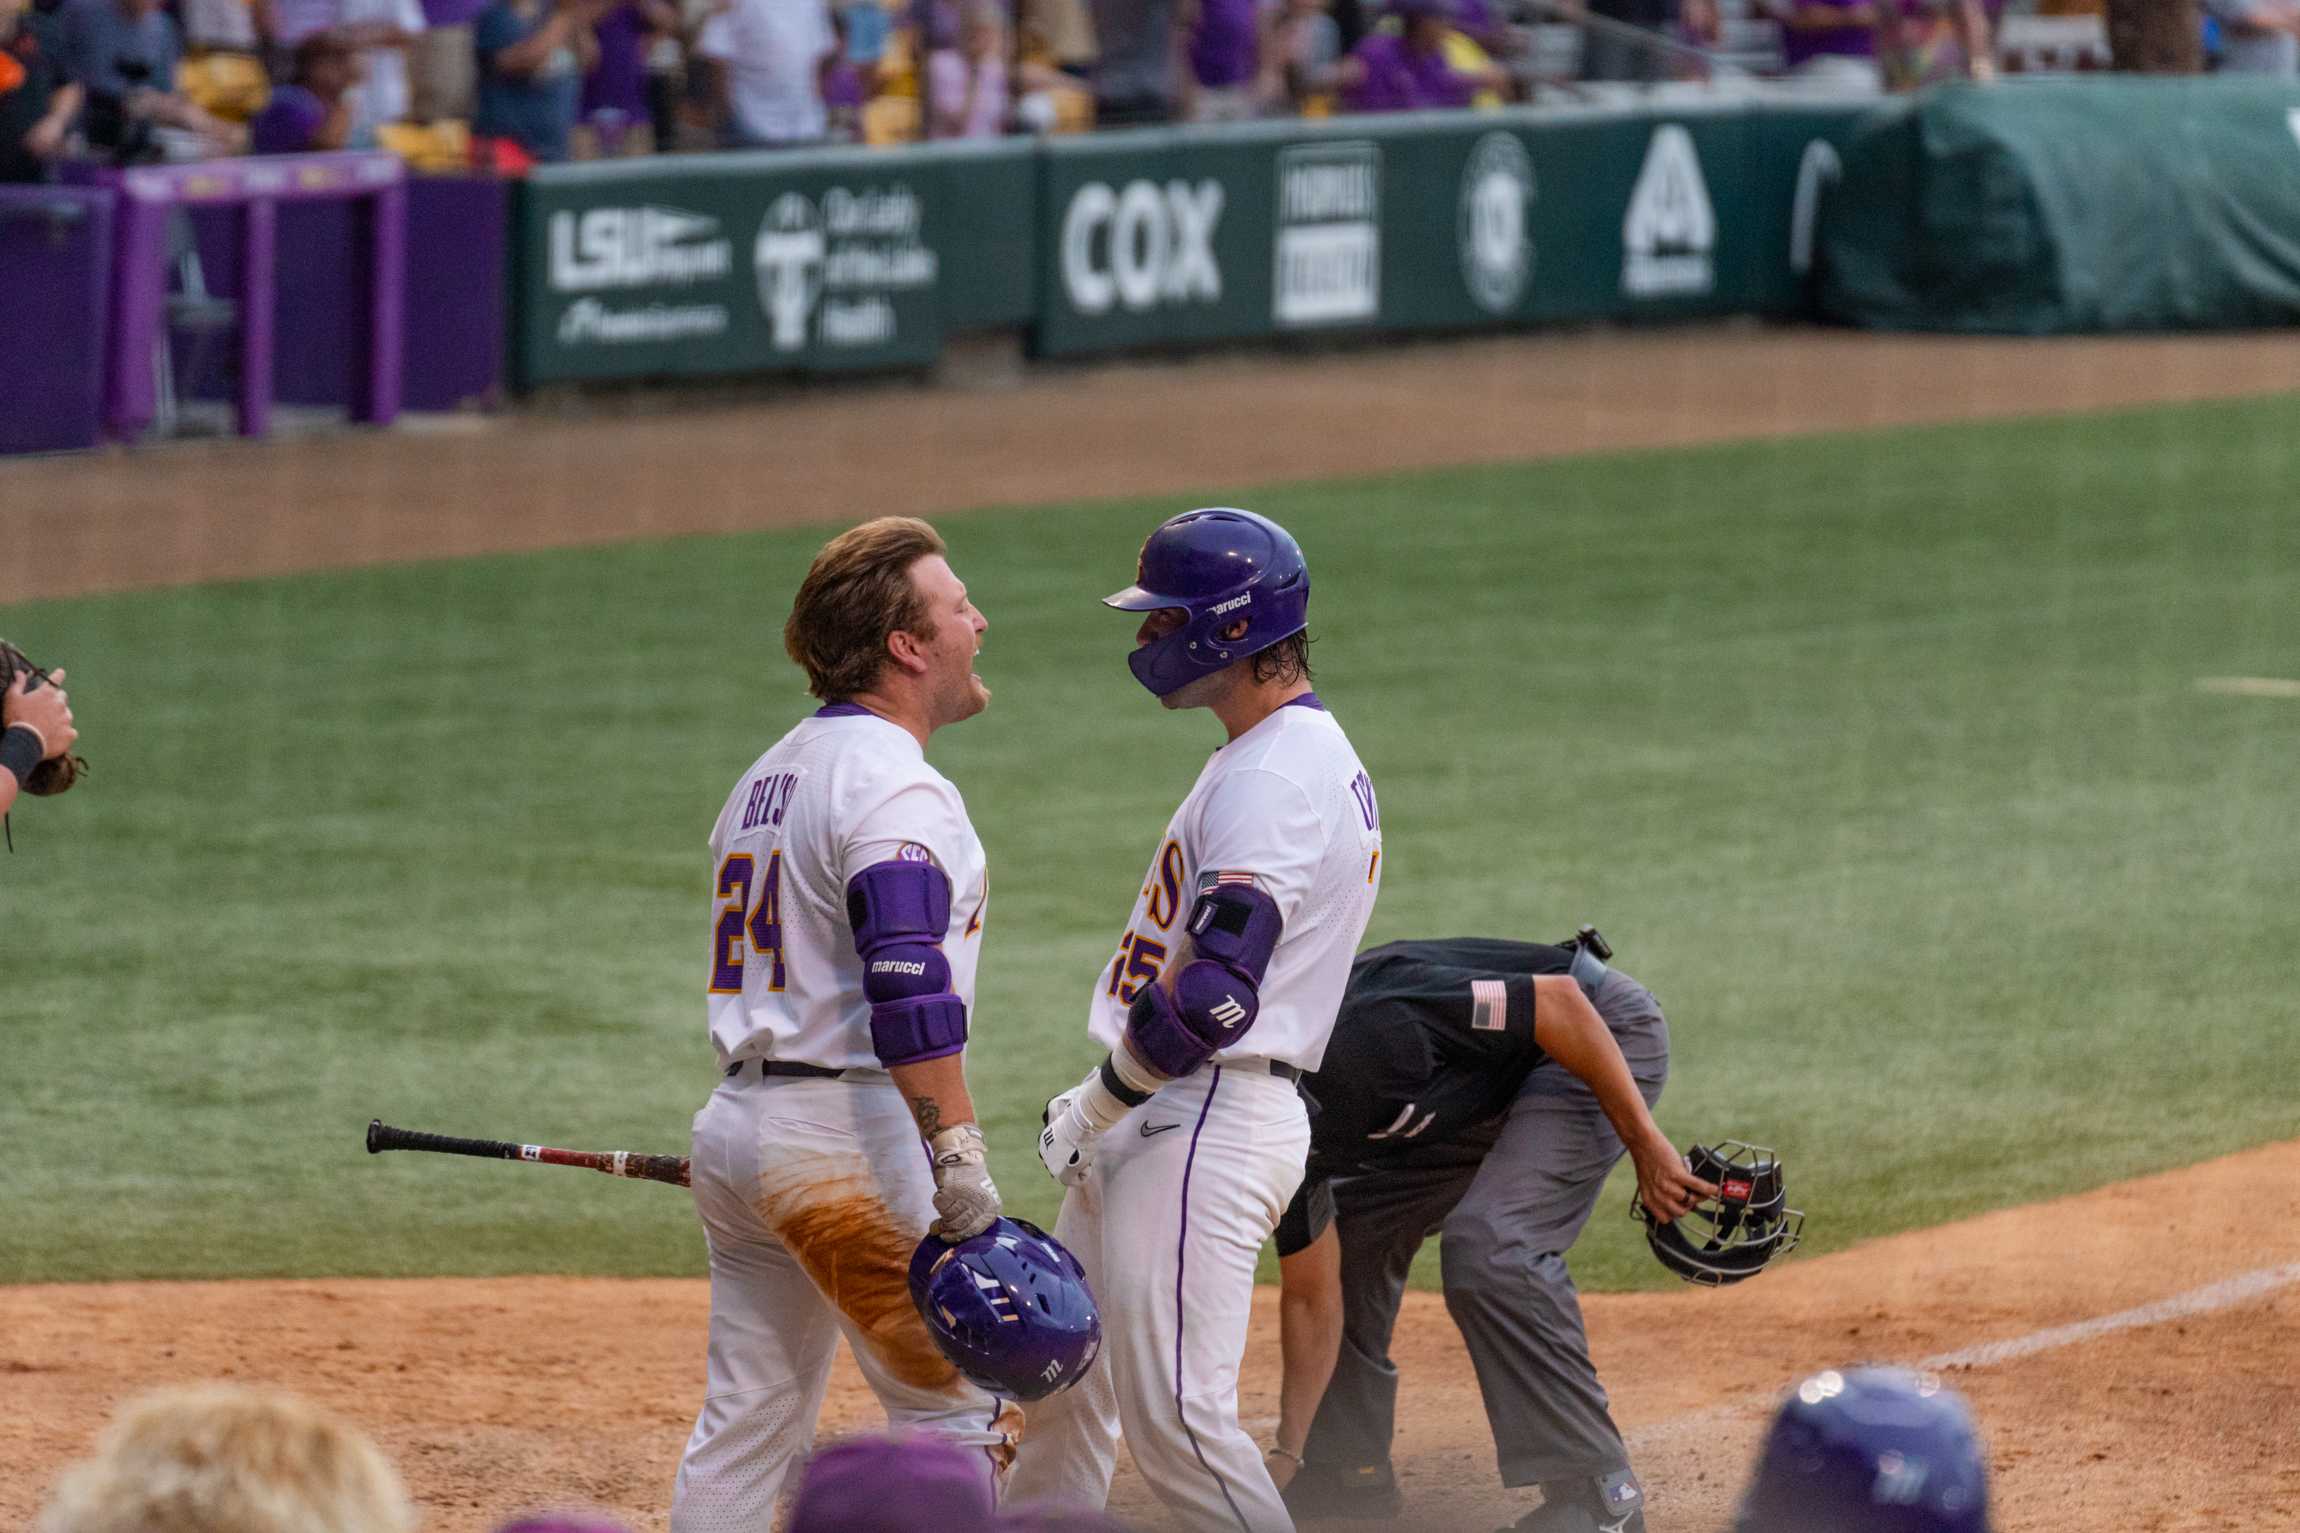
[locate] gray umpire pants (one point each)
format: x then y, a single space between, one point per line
1506 1201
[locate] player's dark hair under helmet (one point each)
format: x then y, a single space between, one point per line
1219 566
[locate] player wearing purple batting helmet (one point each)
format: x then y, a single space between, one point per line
1225 584
1180 1147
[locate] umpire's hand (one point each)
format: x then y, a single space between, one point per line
1664 1184
45 710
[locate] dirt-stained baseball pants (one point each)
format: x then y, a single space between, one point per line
1506 1201
813 1194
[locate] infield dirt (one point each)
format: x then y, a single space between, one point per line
496 1395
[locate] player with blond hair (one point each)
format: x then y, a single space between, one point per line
848 896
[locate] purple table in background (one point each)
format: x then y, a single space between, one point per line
257 188
56 273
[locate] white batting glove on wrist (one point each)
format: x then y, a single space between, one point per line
1066 1148
965 1199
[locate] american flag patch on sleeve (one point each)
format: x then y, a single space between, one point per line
1208 882
1489 1006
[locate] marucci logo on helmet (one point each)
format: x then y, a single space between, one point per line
1232 605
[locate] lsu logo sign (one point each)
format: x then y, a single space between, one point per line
1141 246
608 248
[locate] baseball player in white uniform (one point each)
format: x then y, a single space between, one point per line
848 904
1183 1147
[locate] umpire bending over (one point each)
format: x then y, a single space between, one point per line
1481 1089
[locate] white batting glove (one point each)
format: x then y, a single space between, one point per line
1066 1148
964 1197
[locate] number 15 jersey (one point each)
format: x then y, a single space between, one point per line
843 790
1288 805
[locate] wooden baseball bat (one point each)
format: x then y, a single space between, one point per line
381 1136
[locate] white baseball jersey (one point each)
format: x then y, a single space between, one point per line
843 790
1288 804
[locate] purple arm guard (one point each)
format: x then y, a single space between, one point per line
1237 926
1210 1009
900 912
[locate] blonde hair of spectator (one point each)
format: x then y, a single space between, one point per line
218 1458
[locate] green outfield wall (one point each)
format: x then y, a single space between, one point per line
840 260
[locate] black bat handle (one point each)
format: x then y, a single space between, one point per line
382 1136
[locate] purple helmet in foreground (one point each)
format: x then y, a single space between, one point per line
894 1485
1221 566
1869 1450
1010 1308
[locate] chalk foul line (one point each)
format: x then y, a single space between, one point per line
2225 1294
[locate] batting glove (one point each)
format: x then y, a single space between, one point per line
1066 1148
964 1197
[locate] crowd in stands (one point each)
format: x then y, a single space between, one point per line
506 84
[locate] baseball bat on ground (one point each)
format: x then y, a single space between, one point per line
381 1136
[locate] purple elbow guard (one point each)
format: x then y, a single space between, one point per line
911 1031
1211 1009
1237 926
900 912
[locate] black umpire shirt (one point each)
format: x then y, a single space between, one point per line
1433 1041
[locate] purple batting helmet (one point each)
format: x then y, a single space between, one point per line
1009 1307
1869 1450
894 1485
1220 566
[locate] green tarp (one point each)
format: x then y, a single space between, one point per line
2067 206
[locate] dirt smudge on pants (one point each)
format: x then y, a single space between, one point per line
858 1254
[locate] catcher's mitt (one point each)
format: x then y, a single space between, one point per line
49 776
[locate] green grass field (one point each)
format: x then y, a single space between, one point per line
1879 757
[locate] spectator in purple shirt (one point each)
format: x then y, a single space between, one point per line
312 111
612 119
1407 70
1830 40
1223 58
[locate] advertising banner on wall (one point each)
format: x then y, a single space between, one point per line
1425 222
759 263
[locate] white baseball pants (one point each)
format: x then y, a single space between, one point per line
1168 1224
813 1194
